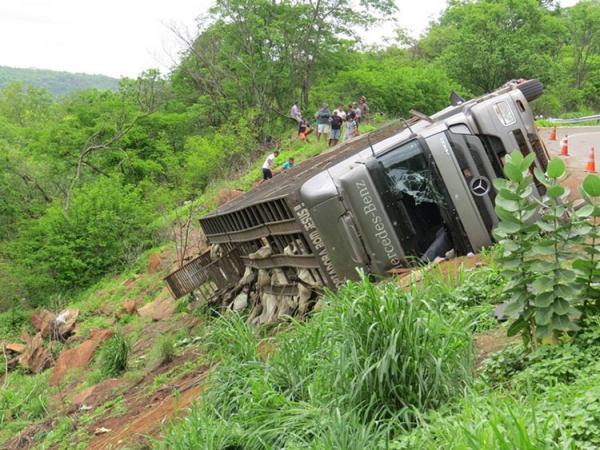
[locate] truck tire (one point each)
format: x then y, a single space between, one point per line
531 89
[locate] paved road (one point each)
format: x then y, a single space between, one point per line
581 139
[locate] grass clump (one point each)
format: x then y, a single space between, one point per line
164 349
24 399
113 356
374 356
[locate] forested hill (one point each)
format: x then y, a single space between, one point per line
57 83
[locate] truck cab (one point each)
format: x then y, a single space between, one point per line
424 191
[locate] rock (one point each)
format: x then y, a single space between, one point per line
96 394
14 347
49 324
130 306
77 357
216 252
160 309
43 321
102 430
286 305
290 250
318 306
36 357
154 263
64 323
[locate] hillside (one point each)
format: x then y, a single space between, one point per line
57 83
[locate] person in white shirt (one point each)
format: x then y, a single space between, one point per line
268 165
295 112
340 112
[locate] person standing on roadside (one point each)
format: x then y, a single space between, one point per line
340 112
323 116
356 110
351 126
295 112
268 165
336 128
364 109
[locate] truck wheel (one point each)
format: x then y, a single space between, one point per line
531 89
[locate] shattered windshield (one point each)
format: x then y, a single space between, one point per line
407 172
412 195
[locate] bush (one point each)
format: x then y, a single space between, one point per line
106 224
497 422
391 86
548 250
13 321
113 355
546 366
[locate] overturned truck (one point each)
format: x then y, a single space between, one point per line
406 193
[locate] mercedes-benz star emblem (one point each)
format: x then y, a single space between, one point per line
480 186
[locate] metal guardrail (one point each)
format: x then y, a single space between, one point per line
575 120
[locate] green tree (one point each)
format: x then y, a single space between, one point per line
262 55
107 225
488 42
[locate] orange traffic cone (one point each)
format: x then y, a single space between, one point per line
591 164
564 148
553 134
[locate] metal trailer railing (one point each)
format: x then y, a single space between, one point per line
206 276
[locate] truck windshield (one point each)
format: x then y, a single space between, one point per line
412 196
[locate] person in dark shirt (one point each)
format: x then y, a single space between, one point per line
322 117
336 128
364 109
304 130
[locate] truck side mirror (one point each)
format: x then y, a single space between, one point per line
456 99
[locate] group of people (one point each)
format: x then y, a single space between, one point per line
331 123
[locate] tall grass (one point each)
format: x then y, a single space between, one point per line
368 362
397 353
495 421
24 399
113 355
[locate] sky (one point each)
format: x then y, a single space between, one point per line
125 37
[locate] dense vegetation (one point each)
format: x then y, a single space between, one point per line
57 83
